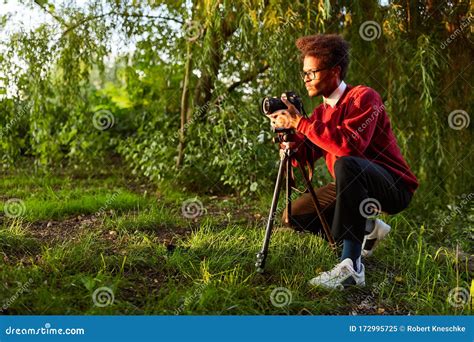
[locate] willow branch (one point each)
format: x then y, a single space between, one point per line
248 78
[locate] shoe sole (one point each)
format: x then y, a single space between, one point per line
381 234
341 286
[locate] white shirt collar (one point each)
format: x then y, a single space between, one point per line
335 95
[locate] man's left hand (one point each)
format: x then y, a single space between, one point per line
286 118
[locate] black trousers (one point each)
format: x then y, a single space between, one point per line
362 189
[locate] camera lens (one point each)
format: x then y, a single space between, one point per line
272 104
266 106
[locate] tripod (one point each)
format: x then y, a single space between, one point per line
285 168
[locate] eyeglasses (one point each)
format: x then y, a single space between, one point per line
311 73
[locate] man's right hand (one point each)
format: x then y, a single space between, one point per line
297 143
284 145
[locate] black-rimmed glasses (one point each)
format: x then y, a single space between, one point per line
311 73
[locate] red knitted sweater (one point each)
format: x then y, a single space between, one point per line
357 126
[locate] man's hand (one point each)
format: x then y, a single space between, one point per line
285 118
283 146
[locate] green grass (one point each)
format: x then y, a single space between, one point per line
107 234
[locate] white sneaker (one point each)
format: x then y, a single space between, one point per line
341 276
371 240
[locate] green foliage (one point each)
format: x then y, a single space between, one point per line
61 75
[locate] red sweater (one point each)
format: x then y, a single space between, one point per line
357 126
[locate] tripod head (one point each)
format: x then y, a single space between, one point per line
283 135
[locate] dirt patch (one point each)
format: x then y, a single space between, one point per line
369 300
168 236
171 237
368 303
141 285
233 211
51 231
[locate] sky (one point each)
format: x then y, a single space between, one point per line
20 16
29 16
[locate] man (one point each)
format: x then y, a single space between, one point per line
351 130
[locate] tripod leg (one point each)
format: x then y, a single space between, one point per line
288 188
262 255
317 206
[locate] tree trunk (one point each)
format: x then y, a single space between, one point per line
184 106
206 83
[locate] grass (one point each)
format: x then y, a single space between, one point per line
108 246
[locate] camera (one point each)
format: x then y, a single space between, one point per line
272 104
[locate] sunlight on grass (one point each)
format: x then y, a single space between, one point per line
156 261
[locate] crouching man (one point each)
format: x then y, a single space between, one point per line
352 131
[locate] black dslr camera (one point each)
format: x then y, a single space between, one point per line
272 104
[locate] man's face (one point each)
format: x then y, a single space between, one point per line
325 82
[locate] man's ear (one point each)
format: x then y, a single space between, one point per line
337 71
